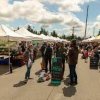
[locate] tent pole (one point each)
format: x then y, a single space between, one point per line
10 65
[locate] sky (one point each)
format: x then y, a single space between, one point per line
58 15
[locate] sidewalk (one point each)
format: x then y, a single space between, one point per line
88 88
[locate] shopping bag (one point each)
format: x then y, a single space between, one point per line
29 63
43 64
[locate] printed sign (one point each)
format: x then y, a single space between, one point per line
56 70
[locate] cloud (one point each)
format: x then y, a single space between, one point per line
46 25
97 22
50 18
69 5
28 9
73 8
71 20
98 18
34 10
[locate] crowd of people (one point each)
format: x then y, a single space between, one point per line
67 52
90 50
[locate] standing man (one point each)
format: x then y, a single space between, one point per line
48 57
42 50
72 61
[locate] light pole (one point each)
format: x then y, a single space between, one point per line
86 22
73 30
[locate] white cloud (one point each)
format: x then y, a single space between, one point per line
35 11
98 17
96 24
69 5
30 9
71 20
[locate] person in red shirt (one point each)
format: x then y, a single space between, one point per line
86 55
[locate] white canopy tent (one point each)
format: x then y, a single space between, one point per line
58 39
9 35
45 38
6 33
52 39
89 39
28 34
66 41
97 39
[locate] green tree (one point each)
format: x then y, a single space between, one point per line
54 34
43 31
29 28
18 28
35 32
63 36
71 37
99 32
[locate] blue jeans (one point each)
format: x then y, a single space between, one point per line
73 74
27 75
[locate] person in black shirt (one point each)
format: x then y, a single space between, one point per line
47 57
42 50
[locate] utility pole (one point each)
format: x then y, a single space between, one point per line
86 22
93 31
73 30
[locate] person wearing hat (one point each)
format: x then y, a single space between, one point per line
72 61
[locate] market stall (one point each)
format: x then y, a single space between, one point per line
8 35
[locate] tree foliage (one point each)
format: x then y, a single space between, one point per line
70 37
99 32
54 34
30 29
43 31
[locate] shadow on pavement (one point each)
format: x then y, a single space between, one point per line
66 81
69 91
38 72
52 85
21 83
93 68
4 69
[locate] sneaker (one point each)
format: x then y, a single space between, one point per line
75 83
25 81
30 78
40 80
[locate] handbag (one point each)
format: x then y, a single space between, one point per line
29 63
